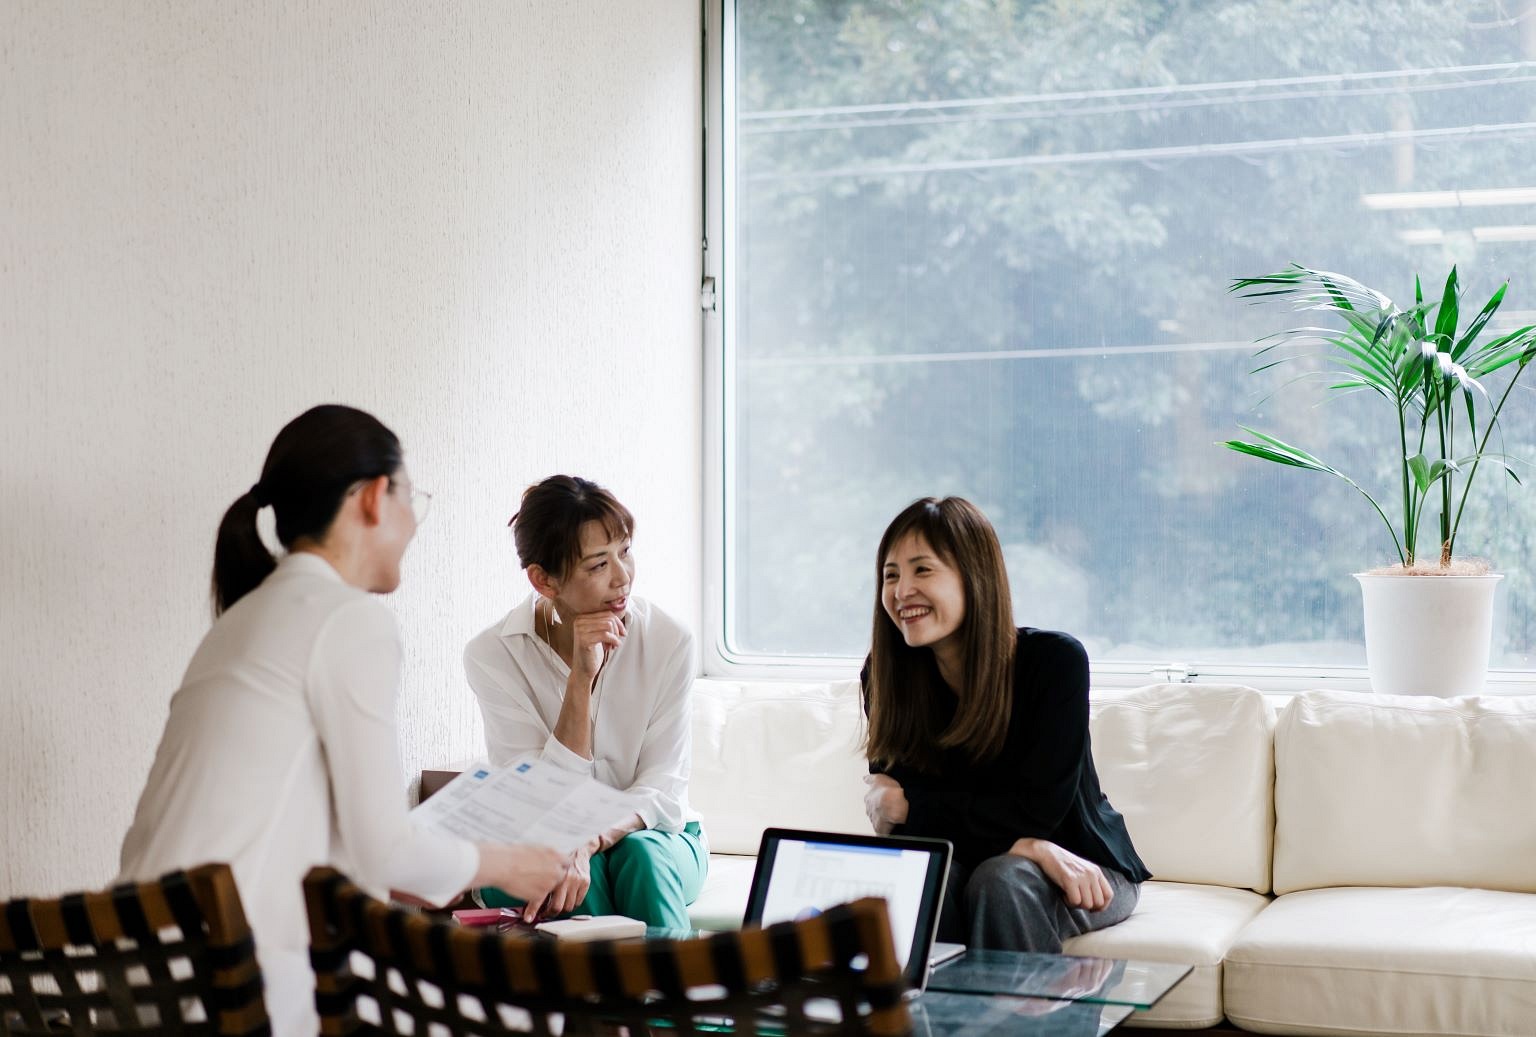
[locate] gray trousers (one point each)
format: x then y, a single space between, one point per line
1008 903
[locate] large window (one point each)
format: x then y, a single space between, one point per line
982 248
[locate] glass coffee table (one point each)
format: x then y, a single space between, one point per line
1038 995
1019 994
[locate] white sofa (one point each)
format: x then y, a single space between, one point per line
1347 864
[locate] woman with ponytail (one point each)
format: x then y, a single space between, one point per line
280 751
978 733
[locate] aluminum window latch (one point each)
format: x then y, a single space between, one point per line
707 295
1171 674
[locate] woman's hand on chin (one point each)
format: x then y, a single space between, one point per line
1082 882
884 803
593 636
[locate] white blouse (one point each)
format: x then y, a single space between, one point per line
280 753
642 706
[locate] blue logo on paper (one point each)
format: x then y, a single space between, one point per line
522 767
482 774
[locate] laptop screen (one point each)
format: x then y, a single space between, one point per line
803 873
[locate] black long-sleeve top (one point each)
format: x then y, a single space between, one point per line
1041 785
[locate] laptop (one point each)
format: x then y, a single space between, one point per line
801 873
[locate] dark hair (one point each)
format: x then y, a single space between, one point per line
906 693
547 526
313 461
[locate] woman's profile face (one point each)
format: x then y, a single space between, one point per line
922 593
599 580
397 527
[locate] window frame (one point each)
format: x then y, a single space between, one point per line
718 658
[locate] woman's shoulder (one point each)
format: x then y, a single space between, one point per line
656 625
305 592
483 644
1035 636
1056 646
486 645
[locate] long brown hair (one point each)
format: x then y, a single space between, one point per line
906 695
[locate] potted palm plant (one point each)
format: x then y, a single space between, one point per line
1427 624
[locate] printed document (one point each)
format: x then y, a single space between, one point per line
529 802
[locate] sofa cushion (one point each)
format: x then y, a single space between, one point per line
1190 766
1387 961
1375 790
776 755
1185 924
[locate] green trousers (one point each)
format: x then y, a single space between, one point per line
649 875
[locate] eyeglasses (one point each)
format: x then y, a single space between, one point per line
421 502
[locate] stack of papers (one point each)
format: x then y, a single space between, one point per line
531 802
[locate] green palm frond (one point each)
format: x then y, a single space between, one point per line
1416 360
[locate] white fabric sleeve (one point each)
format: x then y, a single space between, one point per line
514 730
666 757
353 679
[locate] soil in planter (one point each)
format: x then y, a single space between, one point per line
1460 567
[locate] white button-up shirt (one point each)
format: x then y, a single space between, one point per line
642 707
280 753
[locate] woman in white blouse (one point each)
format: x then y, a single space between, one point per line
589 678
280 751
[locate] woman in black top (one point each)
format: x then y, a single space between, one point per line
978 733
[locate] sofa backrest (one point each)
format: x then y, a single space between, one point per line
776 756
1191 768
1378 790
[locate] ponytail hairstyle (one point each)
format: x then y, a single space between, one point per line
906 694
547 526
314 461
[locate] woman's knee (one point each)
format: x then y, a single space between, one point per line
1011 905
637 851
1007 875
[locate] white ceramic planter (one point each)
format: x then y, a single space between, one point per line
1428 635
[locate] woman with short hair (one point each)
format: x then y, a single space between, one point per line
589 678
978 733
280 752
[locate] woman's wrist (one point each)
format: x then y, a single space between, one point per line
1028 848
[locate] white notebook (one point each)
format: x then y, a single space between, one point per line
581 928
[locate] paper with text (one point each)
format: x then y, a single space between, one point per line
529 802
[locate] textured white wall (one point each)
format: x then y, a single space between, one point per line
478 220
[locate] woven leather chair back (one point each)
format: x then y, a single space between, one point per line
384 970
169 957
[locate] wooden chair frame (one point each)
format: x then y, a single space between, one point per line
174 956
432 976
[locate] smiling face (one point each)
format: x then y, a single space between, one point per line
923 594
601 576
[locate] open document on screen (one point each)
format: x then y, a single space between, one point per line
809 877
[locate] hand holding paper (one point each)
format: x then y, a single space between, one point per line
528 802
